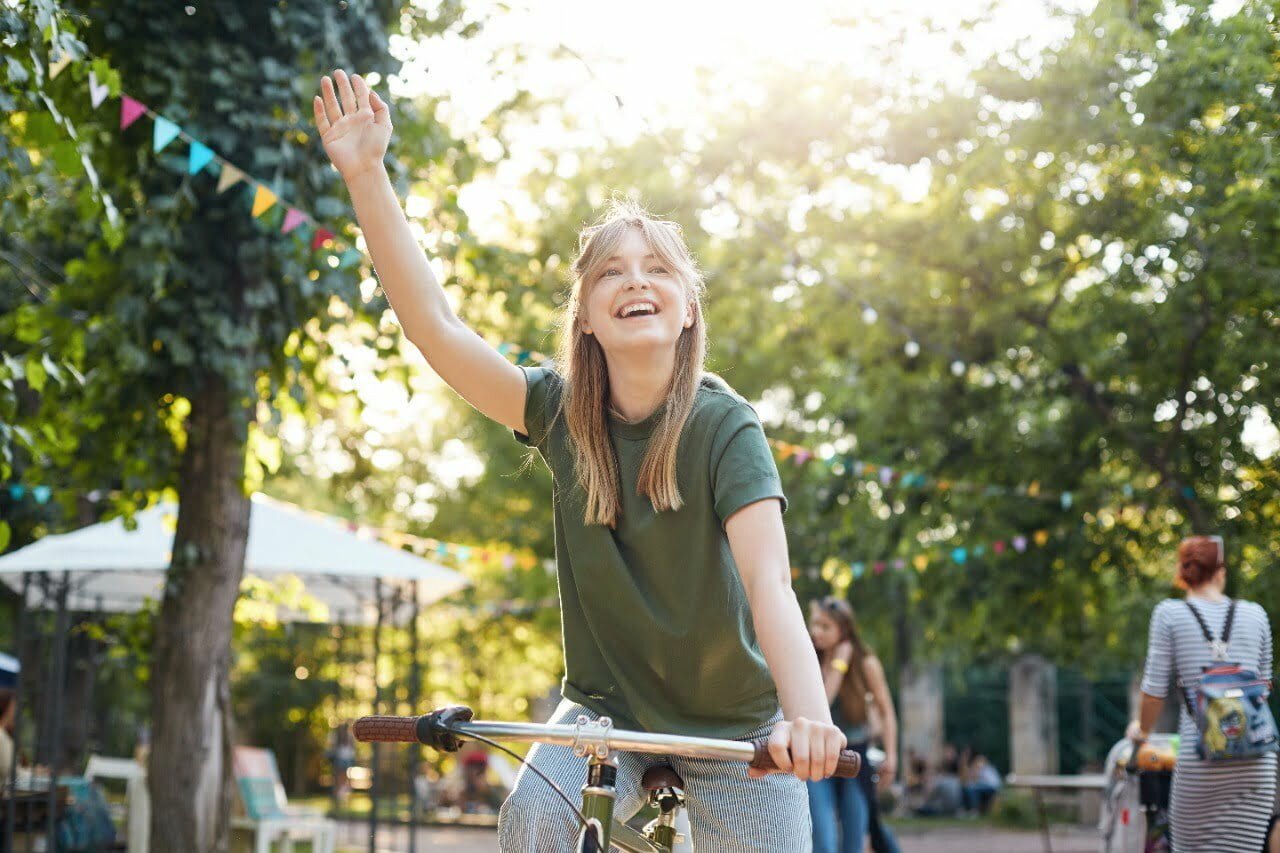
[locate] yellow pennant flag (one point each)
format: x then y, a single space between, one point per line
230 177
1042 536
920 562
56 68
263 198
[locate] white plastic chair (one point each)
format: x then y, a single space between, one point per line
137 799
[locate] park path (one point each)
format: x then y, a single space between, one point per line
353 838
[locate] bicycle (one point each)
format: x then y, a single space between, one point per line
598 741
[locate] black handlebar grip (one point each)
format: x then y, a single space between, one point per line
847 767
386 729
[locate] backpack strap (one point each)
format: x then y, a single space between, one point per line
1204 626
1208 637
1231 618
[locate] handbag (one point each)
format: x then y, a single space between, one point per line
1230 709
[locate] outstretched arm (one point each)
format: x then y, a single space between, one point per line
355 127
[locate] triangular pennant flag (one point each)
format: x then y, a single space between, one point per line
199 157
56 68
292 220
263 198
164 132
230 177
97 91
130 110
323 236
349 257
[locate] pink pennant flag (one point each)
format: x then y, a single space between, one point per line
130 110
323 235
292 220
803 456
998 546
878 568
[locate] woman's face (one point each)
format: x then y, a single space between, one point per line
823 630
635 302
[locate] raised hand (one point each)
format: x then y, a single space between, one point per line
354 124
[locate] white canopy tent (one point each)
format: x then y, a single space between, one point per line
112 569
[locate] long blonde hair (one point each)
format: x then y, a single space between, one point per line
585 404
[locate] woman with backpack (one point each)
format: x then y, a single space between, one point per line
1225 779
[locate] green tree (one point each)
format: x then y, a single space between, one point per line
200 314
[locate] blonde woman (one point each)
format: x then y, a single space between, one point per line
845 812
675 586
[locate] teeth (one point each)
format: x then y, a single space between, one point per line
639 307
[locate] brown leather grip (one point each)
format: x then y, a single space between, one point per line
386 729
848 766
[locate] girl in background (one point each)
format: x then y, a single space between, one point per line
846 811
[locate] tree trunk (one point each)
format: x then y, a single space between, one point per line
190 766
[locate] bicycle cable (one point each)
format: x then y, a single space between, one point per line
581 817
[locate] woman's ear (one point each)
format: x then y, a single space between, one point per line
690 312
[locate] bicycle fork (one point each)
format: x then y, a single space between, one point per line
601 831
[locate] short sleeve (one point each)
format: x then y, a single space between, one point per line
542 395
742 466
1159 668
1265 653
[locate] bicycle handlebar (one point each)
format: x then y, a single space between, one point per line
755 753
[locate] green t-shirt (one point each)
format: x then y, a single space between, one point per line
657 629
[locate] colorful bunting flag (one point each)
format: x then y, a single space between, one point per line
323 237
349 258
163 133
263 199
293 219
97 91
199 157
56 68
130 110
230 177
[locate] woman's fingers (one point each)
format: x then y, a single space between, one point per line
801 748
345 93
381 112
361 90
831 752
331 110
322 120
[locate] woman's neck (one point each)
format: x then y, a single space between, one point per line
638 386
1206 593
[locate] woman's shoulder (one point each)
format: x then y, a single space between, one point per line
1252 608
717 402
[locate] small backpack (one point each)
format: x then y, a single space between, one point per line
1230 709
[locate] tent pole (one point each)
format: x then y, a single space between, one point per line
377 697
11 815
415 708
61 630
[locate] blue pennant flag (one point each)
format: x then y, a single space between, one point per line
200 157
165 132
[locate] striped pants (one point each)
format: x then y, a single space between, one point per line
728 812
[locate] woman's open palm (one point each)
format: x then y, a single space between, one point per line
354 123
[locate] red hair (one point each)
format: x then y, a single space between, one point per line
1199 558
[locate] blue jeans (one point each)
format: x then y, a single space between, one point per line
844 812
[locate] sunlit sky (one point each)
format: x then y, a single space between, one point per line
649 57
